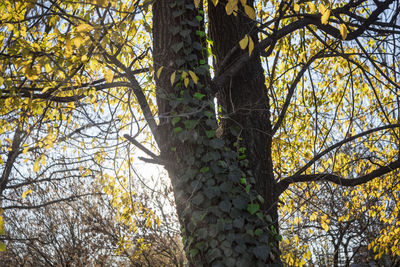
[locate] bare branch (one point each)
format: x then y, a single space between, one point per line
336 179
344 141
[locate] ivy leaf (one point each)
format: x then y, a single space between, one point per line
253 208
176 47
225 206
261 252
193 252
190 124
175 120
198 95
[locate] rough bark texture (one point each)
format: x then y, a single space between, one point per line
244 101
223 221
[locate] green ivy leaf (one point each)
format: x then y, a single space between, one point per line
178 130
175 120
176 47
193 252
190 124
253 208
204 169
198 95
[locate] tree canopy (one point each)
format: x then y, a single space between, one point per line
277 121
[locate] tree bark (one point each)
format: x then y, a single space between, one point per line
224 188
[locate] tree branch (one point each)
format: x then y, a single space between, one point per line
220 80
336 179
291 92
344 141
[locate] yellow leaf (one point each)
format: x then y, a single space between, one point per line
84 27
68 48
186 82
173 78
48 68
296 7
84 58
249 11
231 6
78 41
196 3
2 247
343 31
108 76
312 7
36 166
184 74
251 46
325 16
25 150
159 71
322 8
325 226
243 43
325 12
194 76
27 192
215 2
101 2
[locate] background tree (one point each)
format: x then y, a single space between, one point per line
295 84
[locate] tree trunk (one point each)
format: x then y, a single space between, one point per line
218 182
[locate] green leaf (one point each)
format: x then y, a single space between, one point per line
239 202
198 95
193 252
258 232
178 129
175 120
209 114
198 199
204 169
217 143
176 47
210 133
261 252
190 124
225 206
253 208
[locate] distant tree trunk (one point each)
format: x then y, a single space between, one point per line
217 180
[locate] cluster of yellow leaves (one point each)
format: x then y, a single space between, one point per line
231 7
